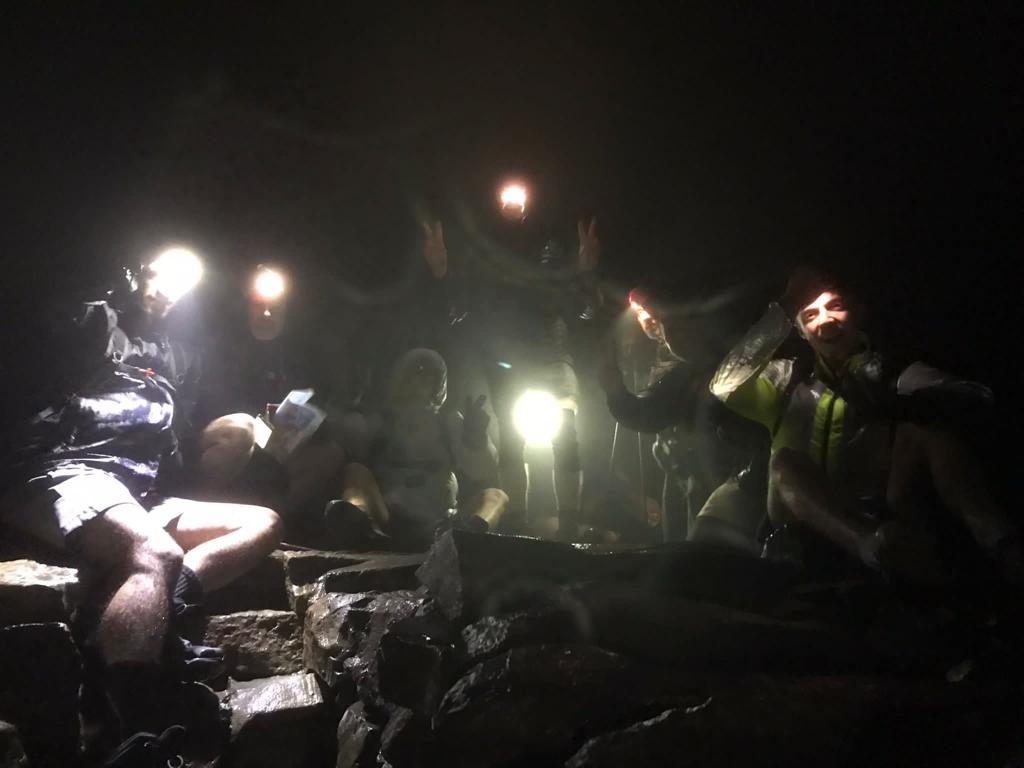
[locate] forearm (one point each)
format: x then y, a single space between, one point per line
752 353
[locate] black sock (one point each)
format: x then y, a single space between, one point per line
187 592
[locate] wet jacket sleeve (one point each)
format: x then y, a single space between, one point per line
744 381
670 401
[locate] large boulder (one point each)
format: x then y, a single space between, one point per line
329 637
32 592
764 722
474 574
257 643
536 703
280 722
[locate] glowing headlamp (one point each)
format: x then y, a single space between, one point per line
537 416
269 284
513 200
175 272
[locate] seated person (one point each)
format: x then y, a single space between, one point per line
81 477
713 488
424 467
866 461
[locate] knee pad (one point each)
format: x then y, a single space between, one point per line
566 446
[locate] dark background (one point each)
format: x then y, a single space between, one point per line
718 144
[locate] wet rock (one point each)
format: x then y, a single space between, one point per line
40 674
307 566
818 721
280 722
32 592
325 644
12 754
412 672
407 741
533 704
547 625
368 624
257 643
380 573
708 638
358 739
262 588
303 571
473 574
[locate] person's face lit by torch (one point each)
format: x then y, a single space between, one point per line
513 202
166 279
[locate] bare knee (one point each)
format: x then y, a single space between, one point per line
265 525
157 556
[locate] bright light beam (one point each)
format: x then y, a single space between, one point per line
176 271
513 198
269 284
537 417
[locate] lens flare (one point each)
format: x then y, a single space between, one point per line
176 271
537 416
513 199
269 284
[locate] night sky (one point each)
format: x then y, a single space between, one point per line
719 144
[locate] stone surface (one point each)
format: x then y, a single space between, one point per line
12 754
280 722
535 703
708 638
32 592
40 674
358 739
307 566
407 741
820 721
325 646
262 588
473 574
257 643
549 624
379 573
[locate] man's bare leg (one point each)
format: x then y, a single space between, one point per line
361 490
221 541
489 507
143 563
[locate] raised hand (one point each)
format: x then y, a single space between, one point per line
435 252
590 245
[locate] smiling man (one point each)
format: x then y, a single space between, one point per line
871 462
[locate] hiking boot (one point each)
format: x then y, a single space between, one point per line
352 527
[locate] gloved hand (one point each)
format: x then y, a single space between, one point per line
474 423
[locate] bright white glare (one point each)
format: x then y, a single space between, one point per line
269 285
514 196
176 271
537 416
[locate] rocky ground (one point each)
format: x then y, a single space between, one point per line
501 651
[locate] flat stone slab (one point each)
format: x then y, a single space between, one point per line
280 722
257 643
378 573
32 592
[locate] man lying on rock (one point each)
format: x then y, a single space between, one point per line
424 467
869 464
82 477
